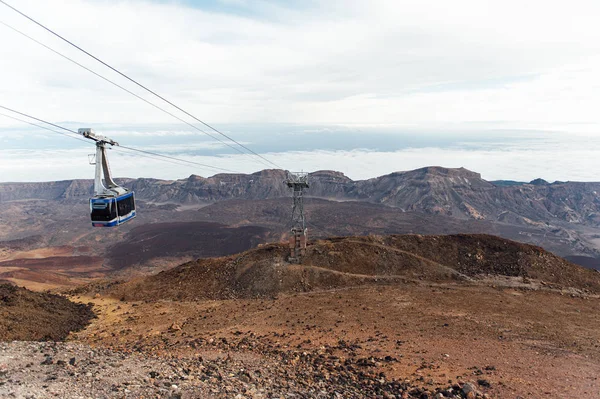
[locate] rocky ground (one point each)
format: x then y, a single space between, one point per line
508 340
372 317
409 341
69 370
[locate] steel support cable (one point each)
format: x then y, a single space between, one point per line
174 158
124 89
153 156
125 147
39 120
77 138
83 140
136 82
128 150
45 128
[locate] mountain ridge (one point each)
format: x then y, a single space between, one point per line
456 192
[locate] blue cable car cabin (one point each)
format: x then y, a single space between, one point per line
111 205
112 211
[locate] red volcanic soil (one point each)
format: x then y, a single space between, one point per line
31 279
63 263
50 272
197 239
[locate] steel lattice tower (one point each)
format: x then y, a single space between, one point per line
298 182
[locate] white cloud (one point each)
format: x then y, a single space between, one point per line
187 147
157 133
361 62
514 160
393 64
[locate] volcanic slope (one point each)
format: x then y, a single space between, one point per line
361 316
33 316
356 261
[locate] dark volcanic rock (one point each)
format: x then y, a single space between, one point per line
145 242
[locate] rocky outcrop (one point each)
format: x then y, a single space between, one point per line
56 190
458 193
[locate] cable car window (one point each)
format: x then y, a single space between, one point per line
125 205
104 211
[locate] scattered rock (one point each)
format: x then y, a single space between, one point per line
469 390
483 382
47 361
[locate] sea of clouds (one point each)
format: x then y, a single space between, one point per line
34 155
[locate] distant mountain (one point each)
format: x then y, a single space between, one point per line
507 183
55 190
539 182
563 217
459 193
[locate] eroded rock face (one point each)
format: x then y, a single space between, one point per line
452 192
55 190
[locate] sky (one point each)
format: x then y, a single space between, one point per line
364 87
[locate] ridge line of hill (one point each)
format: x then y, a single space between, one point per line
455 192
340 262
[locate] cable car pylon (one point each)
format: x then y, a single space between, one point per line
298 182
111 204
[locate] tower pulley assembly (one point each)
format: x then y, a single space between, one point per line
111 204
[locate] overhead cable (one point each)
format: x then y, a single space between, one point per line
77 138
124 89
125 147
137 83
44 127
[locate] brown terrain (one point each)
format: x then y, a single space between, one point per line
341 262
195 297
49 267
403 316
561 217
429 311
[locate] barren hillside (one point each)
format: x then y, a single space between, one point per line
561 217
355 261
403 316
